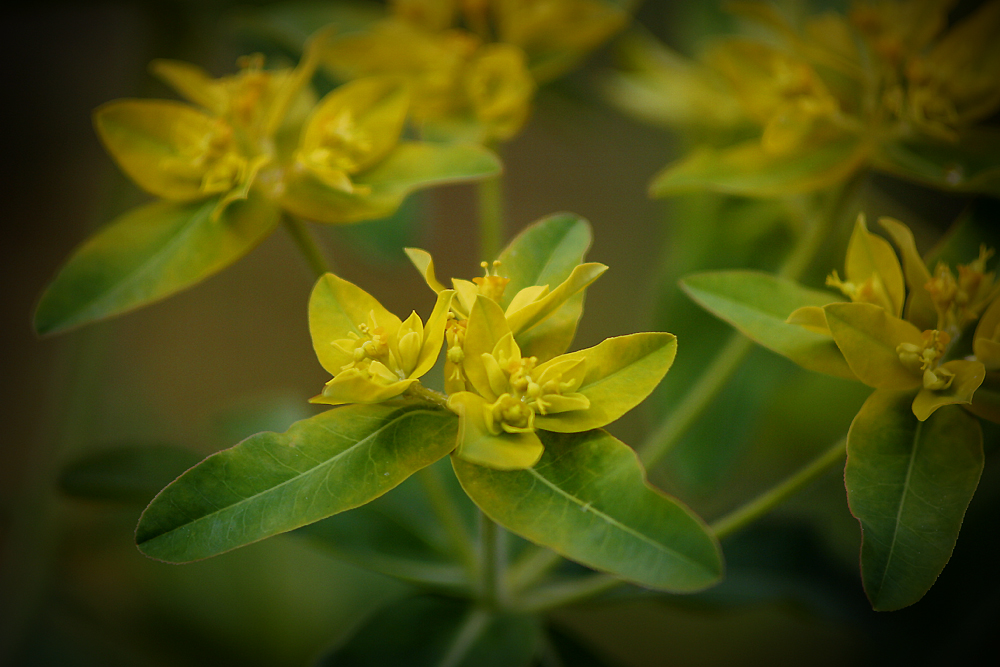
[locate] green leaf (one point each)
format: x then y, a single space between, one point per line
427 631
758 303
587 499
150 253
967 377
545 253
128 474
909 483
868 336
271 483
410 166
749 170
621 373
968 165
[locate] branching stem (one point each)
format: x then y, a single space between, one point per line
307 245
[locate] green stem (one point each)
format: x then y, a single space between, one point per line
767 501
473 626
305 242
446 511
490 562
531 567
662 440
564 593
420 391
490 196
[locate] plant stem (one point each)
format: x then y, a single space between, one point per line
305 242
448 514
531 567
420 391
767 501
564 593
662 440
490 562
473 626
490 196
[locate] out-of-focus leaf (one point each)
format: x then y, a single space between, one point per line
572 652
970 165
130 474
381 189
290 24
747 169
427 631
149 253
395 534
587 499
271 483
758 304
909 484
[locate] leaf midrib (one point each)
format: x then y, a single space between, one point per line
614 522
319 466
902 502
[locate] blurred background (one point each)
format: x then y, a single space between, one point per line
232 356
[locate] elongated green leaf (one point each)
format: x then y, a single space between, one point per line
587 499
747 169
758 303
909 484
149 253
271 483
969 165
545 253
427 631
130 473
621 373
410 166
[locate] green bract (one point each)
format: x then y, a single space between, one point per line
907 365
503 412
250 148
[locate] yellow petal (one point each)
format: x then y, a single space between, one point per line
487 325
534 312
354 386
192 82
425 265
434 333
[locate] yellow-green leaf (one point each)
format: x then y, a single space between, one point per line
533 313
545 253
433 334
986 400
354 386
812 318
150 253
588 499
155 142
424 263
868 337
871 258
748 169
381 189
967 165
919 305
338 308
909 483
621 373
272 483
503 451
758 304
969 375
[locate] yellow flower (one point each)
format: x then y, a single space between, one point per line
372 355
